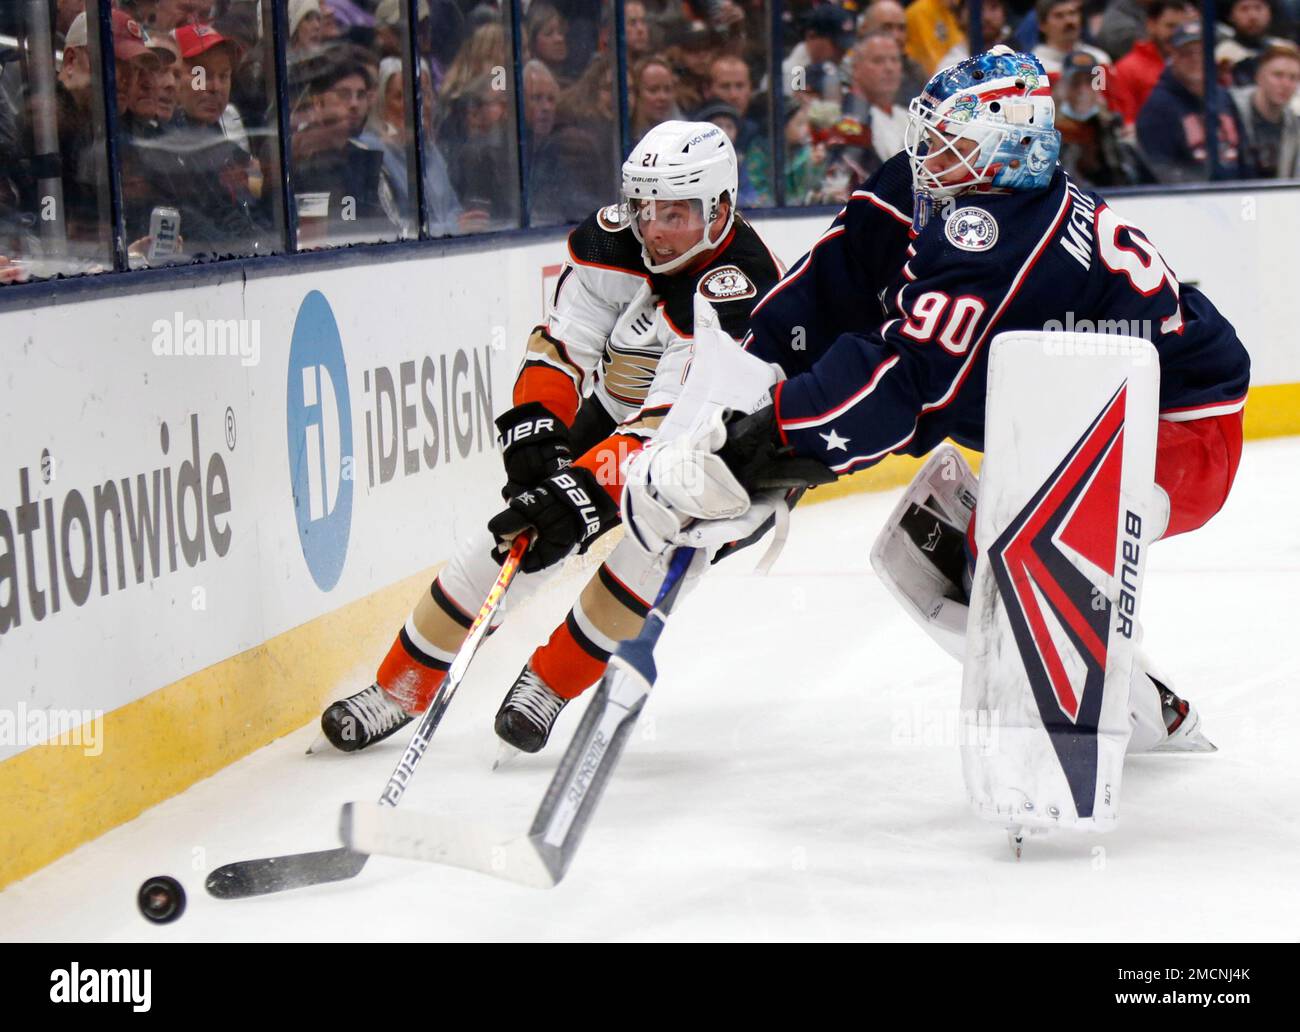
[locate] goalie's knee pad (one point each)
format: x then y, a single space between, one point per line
920 554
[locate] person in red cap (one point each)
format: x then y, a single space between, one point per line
137 66
210 59
192 165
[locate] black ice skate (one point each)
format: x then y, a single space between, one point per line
528 713
1182 724
362 719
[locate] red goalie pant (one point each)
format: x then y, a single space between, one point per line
1196 461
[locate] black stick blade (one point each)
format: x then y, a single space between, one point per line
260 877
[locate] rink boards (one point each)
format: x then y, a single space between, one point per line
220 498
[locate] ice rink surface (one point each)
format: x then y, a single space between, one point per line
794 776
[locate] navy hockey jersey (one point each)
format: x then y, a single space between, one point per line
865 381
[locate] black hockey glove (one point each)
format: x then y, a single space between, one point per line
567 509
534 444
755 455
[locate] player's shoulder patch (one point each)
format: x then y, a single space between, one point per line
726 283
612 218
600 241
971 229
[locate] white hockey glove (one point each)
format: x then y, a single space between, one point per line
671 483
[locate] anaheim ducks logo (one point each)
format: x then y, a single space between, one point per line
726 284
627 373
610 218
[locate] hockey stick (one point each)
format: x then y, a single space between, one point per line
260 877
542 856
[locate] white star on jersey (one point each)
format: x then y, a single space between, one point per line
834 440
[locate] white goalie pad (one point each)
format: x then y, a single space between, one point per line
1062 531
920 555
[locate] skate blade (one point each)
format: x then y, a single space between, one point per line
506 755
1193 742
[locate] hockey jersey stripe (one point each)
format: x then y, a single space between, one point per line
1217 408
883 205
844 406
799 267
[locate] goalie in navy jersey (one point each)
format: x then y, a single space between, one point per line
883 328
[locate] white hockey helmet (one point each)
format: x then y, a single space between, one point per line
681 161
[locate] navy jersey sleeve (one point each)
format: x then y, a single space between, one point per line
869 393
836 286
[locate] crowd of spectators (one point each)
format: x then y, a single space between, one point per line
197 130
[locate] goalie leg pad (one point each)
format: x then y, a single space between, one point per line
1063 529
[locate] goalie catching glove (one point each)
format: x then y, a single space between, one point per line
568 509
710 474
534 445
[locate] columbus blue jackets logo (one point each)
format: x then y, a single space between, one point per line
1050 565
971 229
726 284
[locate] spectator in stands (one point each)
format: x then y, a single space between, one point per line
1271 127
932 30
390 21
385 131
190 164
730 83
993 28
169 77
728 119
484 51
636 31
654 97
341 187
691 55
1091 149
873 95
1135 73
584 143
81 158
1122 25
827 36
1171 124
548 165
1060 23
888 16
304 26
171 13
482 165
74 70
1249 22
841 152
544 31
444 215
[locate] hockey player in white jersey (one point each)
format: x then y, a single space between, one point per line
596 380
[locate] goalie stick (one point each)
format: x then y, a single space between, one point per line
542 856
265 875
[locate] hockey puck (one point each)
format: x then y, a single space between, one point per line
161 899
